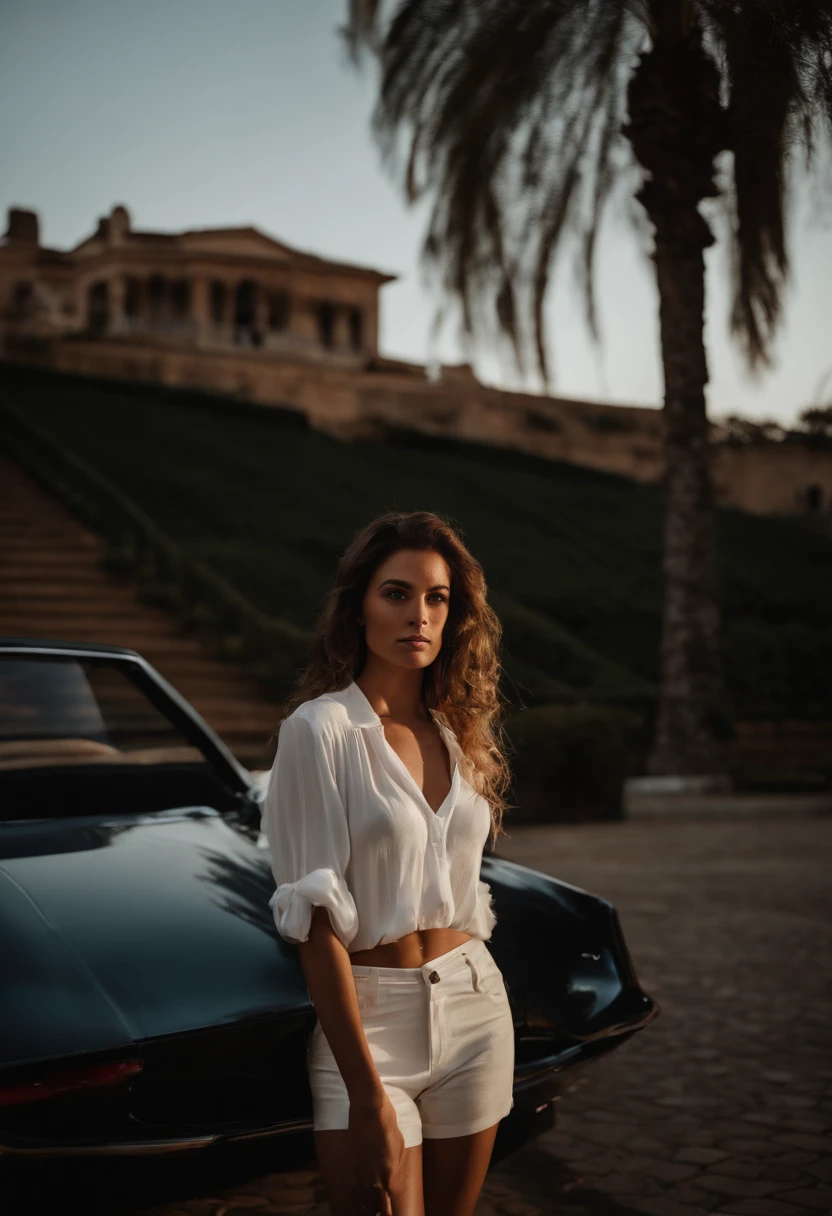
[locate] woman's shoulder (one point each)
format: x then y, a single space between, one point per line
325 714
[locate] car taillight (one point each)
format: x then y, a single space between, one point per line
67 1080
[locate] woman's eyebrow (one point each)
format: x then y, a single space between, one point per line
402 582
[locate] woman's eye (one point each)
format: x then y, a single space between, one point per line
397 591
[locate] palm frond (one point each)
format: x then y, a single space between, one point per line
777 72
512 113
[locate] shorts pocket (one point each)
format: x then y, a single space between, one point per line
363 992
488 978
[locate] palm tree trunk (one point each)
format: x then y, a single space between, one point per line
676 129
691 693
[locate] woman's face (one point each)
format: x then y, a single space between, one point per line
408 594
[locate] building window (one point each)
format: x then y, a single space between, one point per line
180 298
356 329
98 307
245 313
156 295
814 498
279 308
219 301
326 324
23 298
132 298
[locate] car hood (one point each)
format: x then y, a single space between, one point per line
123 929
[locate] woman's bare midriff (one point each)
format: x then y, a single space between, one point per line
413 950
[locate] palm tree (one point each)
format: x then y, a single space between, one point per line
521 116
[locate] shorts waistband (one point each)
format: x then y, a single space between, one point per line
444 964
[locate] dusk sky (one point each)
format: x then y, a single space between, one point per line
197 113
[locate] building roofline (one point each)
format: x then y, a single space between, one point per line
299 257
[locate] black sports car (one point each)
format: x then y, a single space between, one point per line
147 1002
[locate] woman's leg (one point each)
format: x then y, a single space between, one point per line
336 1170
454 1170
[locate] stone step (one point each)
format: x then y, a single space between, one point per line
77 612
111 635
18 537
236 718
52 585
129 630
192 670
50 591
63 566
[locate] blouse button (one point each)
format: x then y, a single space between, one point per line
434 977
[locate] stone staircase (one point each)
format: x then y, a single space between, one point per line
52 586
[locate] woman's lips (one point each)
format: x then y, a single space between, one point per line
413 645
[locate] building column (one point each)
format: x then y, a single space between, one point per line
342 329
371 329
115 302
261 314
200 309
304 322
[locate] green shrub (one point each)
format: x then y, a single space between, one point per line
570 761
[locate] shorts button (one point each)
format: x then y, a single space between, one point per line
434 977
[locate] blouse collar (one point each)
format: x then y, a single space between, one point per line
361 713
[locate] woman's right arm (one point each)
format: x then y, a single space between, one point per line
329 978
377 1142
305 823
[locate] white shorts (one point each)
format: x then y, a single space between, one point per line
442 1040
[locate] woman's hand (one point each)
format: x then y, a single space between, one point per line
377 1149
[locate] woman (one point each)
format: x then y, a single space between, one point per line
387 781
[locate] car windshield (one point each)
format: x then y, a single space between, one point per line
61 710
84 735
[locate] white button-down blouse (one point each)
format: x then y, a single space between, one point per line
349 829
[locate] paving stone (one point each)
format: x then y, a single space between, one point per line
603 1133
762 1207
663 1207
821 1168
579 1152
753 1148
807 1123
619 1184
688 1192
800 1157
737 1169
735 1129
699 1156
725 1185
644 1144
818 1200
670 1171
783 1173
819 1144
600 1163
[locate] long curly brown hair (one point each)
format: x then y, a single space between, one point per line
462 683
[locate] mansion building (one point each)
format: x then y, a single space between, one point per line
218 289
236 312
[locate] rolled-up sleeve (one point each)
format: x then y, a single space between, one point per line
487 914
305 823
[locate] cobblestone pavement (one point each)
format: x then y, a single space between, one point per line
723 1104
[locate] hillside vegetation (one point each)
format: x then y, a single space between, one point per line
572 556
